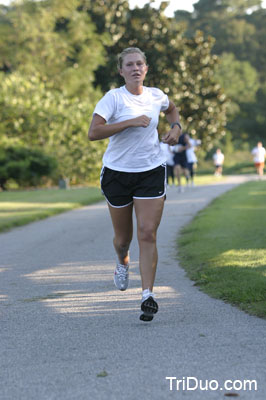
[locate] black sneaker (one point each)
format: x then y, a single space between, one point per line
149 308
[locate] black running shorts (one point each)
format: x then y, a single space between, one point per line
120 188
180 159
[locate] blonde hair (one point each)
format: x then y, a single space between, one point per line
129 50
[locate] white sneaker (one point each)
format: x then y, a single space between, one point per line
121 277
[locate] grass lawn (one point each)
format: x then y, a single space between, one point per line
224 248
21 207
208 179
205 179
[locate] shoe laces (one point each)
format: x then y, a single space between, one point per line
122 271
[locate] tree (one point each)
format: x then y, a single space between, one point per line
238 78
239 29
7 41
33 115
227 22
249 124
46 93
109 17
258 54
58 41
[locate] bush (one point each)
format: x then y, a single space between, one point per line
24 166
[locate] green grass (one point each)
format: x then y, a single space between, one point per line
208 179
237 163
224 248
21 207
205 179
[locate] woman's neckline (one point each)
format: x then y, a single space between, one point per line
134 94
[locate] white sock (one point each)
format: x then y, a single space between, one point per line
146 294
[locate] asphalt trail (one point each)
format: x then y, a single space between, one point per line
67 333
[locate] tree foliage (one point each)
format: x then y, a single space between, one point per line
47 93
56 40
59 56
47 119
238 78
23 165
239 29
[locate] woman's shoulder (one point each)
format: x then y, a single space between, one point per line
113 92
156 92
112 95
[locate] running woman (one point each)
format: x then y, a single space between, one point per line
134 171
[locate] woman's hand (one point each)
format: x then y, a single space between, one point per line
172 116
141 121
172 136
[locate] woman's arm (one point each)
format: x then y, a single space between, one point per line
172 115
100 130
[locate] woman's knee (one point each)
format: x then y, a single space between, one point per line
147 233
122 243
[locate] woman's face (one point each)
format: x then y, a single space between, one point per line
134 69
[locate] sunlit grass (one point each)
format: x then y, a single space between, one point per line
208 179
224 248
21 207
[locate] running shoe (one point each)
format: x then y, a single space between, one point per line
149 308
121 277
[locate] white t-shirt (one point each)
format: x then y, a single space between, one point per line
258 154
218 158
134 149
168 153
191 156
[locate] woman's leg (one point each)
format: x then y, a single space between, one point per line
172 174
148 214
177 173
123 231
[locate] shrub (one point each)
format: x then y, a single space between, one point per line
25 166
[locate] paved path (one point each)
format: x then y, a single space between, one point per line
66 333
